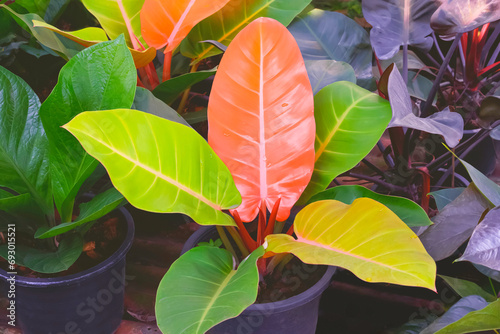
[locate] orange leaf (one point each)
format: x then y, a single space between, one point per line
167 22
261 118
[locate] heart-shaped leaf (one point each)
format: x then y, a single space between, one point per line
408 211
100 77
487 187
168 90
96 208
459 16
399 22
483 319
445 123
365 237
454 224
333 36
484 245
261 120
231 19
349 122
456 312
166 23
201 289
24 147
324 72
154 169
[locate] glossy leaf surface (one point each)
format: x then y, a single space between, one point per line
445 123
399 22
458 16
261 120
466 288
166 23
324 72
330 35
24 146
456 312
47 262
484 245
118 17
444 197
169 90
158 165
226 23
201 289
50 10
454 224
98 78
349 122
476 321
96 208
365 237
408 211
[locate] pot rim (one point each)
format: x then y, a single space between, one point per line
89 273
275 307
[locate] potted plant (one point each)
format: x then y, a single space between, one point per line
269 141
67 269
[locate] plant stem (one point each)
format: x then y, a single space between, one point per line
378 181
272 218
439 77
278 227
238 240
185 94
487 47
405 63
261 227
249 242
167 62
226 241
439 51
492 286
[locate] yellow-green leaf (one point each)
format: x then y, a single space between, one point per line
158 165
365 237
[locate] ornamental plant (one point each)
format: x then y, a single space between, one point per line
269 140
45 171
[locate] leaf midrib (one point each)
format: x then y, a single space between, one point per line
156 173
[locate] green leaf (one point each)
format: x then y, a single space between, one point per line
20 210
334 36
115 15
324 72
408 211
96 208
50 10
64 46
201 289
168 90
349 122
100 77
365 237
47 262
225 24
444 197
466 288
145 101
159 165
24 161
476 321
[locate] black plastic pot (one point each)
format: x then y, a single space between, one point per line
295 315
90 302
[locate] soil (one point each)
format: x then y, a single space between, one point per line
102 240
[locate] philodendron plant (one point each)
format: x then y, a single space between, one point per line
43 166
269 140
